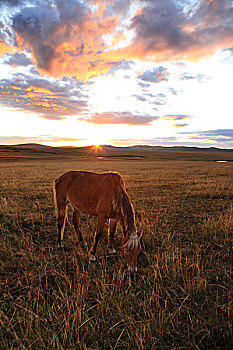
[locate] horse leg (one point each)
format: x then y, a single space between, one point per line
99 230
61 220
76 222
111 233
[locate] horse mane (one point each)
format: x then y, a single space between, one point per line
123 206
128 213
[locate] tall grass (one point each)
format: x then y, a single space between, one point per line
181 297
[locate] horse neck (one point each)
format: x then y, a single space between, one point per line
128 218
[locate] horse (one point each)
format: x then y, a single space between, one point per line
102 195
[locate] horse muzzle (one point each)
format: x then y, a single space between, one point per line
132 270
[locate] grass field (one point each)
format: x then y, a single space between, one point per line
181 297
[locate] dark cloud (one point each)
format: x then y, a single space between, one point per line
43 28
28 25
120 118
50 98
10 2
155 75
17 59
167 31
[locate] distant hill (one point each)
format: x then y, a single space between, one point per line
135 147
34 151
32 145
182 148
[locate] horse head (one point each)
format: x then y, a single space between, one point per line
130 248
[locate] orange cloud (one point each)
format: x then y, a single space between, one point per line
76 39
81 47
4 48
45 97
119 118
35 90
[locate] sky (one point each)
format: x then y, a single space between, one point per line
117 72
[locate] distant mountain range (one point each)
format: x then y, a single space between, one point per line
39 147
34 151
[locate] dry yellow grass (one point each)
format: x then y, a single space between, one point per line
181 297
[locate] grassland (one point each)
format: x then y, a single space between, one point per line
181 297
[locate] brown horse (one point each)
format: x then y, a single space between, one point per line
104 196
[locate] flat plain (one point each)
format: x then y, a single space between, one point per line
181 297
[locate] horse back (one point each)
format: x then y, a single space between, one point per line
91 193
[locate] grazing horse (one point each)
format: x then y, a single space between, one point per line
104 196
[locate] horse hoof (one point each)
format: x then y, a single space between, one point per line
92 258
112 251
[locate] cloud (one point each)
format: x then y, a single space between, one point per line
17 59
10 2
218 138
161 140
176 117
198 77
119 118
155 75
71 37
171 140
180 125
49 98
220 135
9 140
165 31
192 139
173 91
139 98
122 65
230 49
4 48
158 100
143 85
87 39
